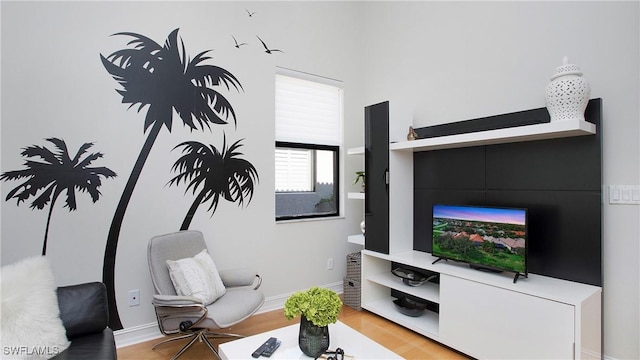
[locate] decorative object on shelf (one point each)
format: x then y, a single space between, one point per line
362 226
568 93
409 307
412 135
360 176
318 308
412 278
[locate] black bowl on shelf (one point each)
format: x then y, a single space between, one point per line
409 307
410 277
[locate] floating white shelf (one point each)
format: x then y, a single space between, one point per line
355 195
356 239
359 238
551 130
355 151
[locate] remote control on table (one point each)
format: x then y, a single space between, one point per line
264 346
271 348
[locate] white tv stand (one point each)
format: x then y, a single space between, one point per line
486 315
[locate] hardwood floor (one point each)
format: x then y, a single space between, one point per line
398 339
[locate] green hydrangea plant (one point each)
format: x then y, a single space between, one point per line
319 305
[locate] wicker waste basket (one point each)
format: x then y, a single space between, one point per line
351 293
353 266
351 284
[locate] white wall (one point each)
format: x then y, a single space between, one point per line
53 84
453 61
447 61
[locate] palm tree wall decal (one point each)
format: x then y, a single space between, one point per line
212 174
162 79
56 173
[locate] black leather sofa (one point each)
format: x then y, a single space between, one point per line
85 315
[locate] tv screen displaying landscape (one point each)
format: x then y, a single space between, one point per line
489 237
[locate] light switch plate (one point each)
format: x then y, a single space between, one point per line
624 194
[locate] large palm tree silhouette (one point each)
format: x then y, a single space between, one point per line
214 174
56 173
162 79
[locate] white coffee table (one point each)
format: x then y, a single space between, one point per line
340 336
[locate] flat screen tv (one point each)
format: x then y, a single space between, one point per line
487 238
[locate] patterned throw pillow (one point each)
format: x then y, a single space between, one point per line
197 276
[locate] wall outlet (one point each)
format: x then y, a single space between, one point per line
330 264
134 297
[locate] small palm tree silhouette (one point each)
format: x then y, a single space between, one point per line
162 79
58 172
213 174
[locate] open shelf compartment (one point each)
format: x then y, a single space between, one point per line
426 324
427 291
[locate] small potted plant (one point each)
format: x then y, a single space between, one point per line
317 307
360 176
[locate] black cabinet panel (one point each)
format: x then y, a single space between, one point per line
462 168
376 166
564 231
558 164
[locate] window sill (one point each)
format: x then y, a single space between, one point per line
328 218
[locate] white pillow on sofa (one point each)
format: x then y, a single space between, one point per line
197 276
31 325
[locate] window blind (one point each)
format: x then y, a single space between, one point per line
294 169
308 111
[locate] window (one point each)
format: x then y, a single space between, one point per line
308 140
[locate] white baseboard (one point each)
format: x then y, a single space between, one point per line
141 333
136 334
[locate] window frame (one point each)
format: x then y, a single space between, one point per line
335 145
336 179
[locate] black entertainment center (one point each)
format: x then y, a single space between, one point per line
557 180
516 161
